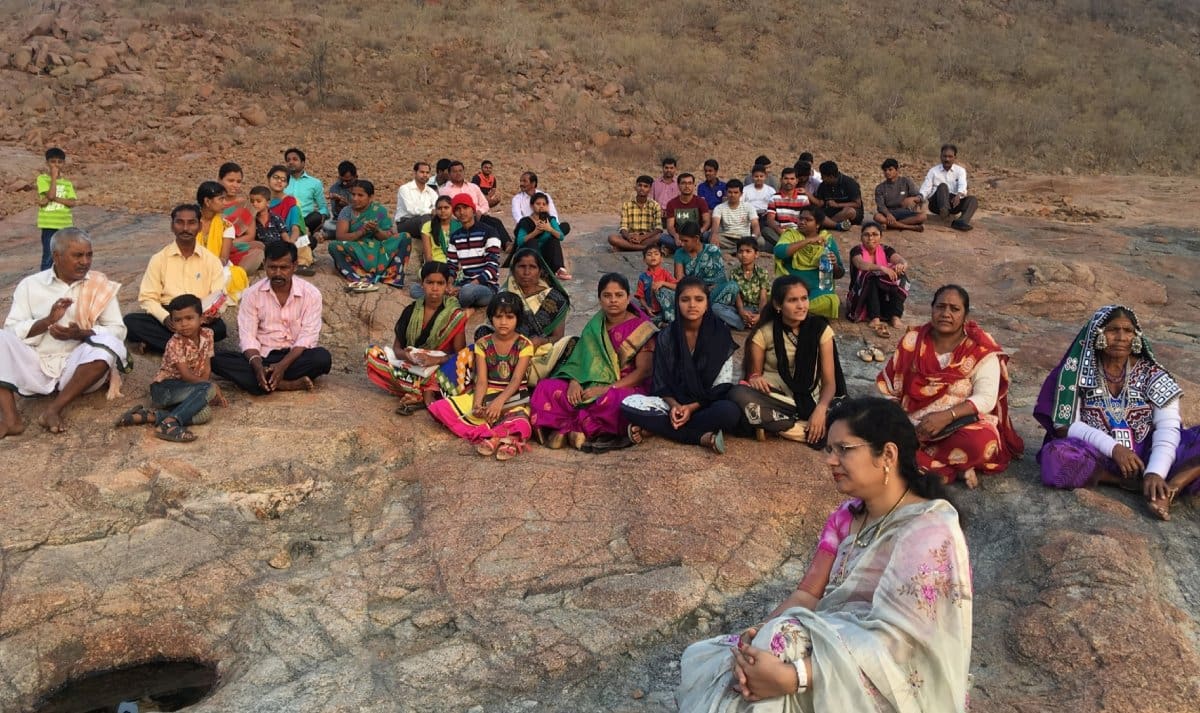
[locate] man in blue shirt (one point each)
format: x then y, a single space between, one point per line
712 190
308 191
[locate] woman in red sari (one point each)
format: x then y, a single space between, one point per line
951 378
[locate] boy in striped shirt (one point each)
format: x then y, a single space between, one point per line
474 256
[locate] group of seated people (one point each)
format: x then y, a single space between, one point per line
639 368
670 217
658 360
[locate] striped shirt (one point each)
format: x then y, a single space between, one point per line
641 217
265 325
785 208
474 255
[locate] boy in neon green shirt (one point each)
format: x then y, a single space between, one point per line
56 198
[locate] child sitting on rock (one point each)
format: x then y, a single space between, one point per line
496 416
656 287
181 391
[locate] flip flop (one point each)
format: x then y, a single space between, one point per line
509 448
878 355
635 434
866 355
488 446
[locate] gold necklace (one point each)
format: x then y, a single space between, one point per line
872 531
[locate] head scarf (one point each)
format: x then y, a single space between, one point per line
688 376
1079 373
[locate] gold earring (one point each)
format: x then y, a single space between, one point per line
887 474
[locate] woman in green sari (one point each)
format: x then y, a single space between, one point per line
546 306
367 251
612 359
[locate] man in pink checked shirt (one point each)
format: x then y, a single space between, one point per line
279 320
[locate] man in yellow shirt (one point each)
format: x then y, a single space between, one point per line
178 269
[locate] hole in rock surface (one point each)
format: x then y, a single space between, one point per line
153 686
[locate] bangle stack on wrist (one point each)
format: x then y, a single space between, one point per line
801 675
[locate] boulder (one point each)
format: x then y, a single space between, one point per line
254 115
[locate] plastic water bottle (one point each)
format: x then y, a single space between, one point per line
825 280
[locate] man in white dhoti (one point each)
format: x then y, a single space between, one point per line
64 333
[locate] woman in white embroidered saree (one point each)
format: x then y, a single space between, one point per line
882 619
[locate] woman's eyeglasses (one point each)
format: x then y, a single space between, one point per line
839 449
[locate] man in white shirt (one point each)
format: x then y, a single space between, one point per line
758 194
63 333
520 201
945 190
414 202
734 219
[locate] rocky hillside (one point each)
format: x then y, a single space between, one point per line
149 97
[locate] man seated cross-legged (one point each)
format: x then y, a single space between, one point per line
279 321
63 333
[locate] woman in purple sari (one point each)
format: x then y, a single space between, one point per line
581 403
1111 415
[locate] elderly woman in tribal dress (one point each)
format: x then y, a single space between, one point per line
882 619
1111 415
706 262
581 404
433 323
951 377
367 251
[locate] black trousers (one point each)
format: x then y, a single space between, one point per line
236 367
720 415
146 329
314 221
966 207
884 304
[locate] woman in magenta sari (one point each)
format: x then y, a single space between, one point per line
581 403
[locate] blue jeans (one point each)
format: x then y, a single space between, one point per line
728 314
47 259
179 399
473 294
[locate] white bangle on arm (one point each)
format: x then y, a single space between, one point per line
801 674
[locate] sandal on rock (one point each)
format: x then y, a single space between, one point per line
878 355
510 447
865 355
137 416
410 408
635 434
488 446
562 274
306 270
174 432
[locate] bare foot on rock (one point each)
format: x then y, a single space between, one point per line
971 480
12 429
301 384
52 422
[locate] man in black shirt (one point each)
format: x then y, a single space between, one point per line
839 197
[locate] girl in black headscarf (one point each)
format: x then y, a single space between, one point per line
691 378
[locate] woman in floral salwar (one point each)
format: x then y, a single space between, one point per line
435 323
581 405
951 377
367 251
882 619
